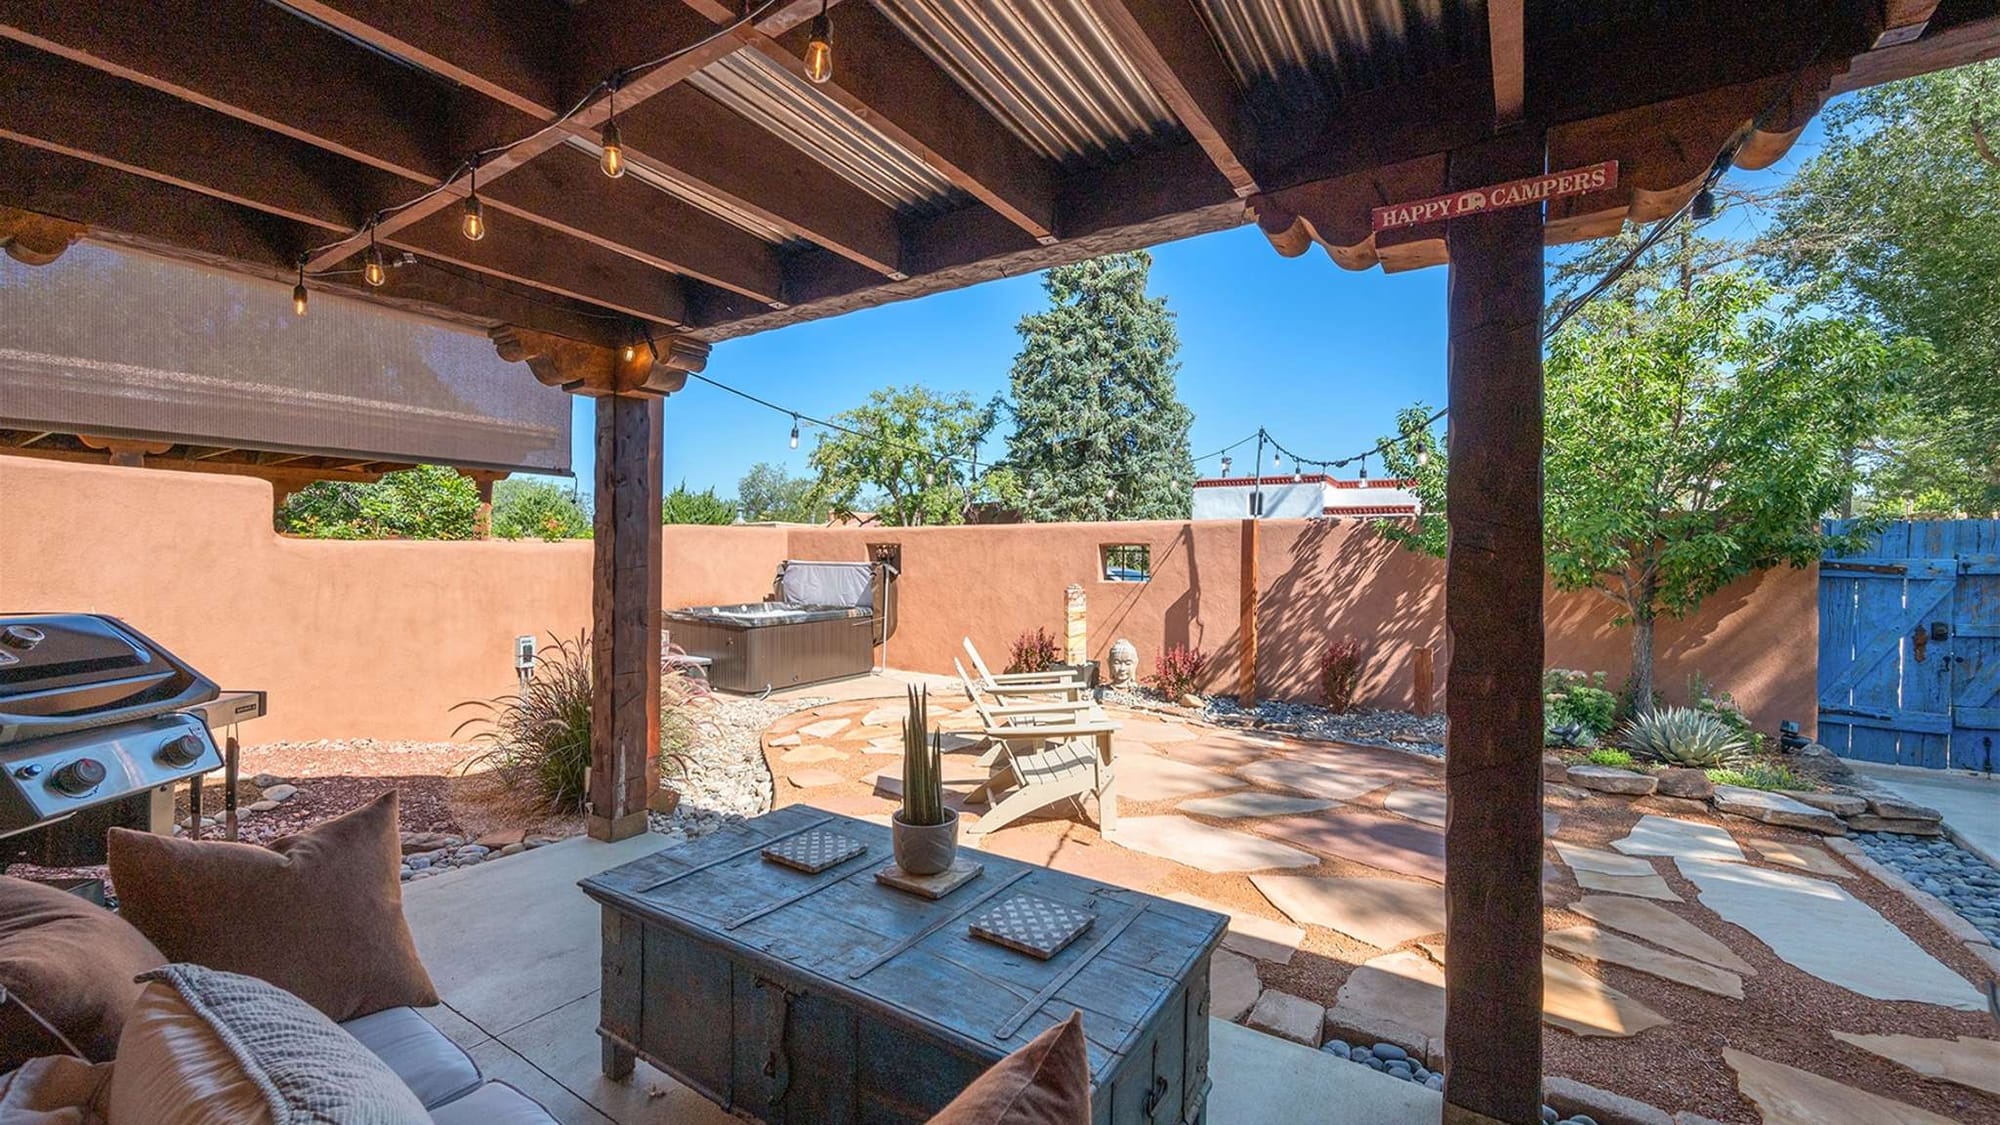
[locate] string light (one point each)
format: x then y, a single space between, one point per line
819 48
473 224
1364 466
1274 461
299 292
795 431
612 159
1703 207
376 271
1226 462
1423 456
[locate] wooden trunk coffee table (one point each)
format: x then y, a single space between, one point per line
828 998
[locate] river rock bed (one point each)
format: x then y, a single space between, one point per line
1966 883
728 781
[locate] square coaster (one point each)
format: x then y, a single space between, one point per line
962 871
815 851
1032 925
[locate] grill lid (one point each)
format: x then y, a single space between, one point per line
62 672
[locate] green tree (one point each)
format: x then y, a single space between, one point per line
911 450
1414 454
1694 438
1100 432
426 502
684 506
538 509
770 494
1897 222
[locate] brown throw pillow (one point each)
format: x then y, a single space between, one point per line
1046 1082
73 962
319 914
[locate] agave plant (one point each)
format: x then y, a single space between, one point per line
1680 736
923 768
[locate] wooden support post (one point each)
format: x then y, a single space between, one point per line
1493 612
629 385
483 480
1246 673
625 614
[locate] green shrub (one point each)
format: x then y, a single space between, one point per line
683 506
538 509
1682 736
539 739
1760 773
1576 710
1610 756
1721 706
427 502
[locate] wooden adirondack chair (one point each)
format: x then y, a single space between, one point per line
1044 752
1017 685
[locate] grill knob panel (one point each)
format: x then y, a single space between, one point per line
184 750
78 778
23 637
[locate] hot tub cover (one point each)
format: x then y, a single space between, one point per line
807 582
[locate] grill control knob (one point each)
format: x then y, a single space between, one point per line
78 778
21 636
184 750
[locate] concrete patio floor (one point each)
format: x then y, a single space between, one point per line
514 946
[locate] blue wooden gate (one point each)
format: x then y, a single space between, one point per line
1909 646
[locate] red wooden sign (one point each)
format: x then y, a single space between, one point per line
1513 193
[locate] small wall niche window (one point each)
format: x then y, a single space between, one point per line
1128 562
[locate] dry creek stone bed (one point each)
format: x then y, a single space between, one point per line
1965 882
728 781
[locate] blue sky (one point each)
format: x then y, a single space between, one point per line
1321 356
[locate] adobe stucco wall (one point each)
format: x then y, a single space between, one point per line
379 639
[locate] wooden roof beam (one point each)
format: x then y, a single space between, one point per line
252 60
884 79
148 215
1506 43
1171 45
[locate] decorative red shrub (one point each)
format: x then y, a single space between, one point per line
1179 671
1033 652
1339 672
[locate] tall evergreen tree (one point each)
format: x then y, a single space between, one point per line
1100 433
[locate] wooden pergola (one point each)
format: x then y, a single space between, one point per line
955 141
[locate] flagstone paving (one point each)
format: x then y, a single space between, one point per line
1578 1002
1426 805
1809 857
1382 912
1321 840
1786 1095
1235 806
1819 927
1386 842
1204 846
1146 778
1964 1060
1594 944
1666 835
1331 776
1662 927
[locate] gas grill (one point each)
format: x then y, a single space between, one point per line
97 723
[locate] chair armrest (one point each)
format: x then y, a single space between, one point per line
999 691
1064 730
1037 678
1053 707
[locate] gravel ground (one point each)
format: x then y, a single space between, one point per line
729 780
1398 730
1965 882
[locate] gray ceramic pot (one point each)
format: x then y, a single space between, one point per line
925 849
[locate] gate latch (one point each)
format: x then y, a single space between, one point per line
1940 630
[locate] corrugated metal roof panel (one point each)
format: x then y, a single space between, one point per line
1305 52
1048 69
693 196
792 110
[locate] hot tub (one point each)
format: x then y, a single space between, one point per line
803 638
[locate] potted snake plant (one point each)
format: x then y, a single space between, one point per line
923 832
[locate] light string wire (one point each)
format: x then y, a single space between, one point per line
610 83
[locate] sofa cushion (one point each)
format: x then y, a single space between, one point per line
1046 1082
73 962
205 1047
429 1063
319 914
495 1103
